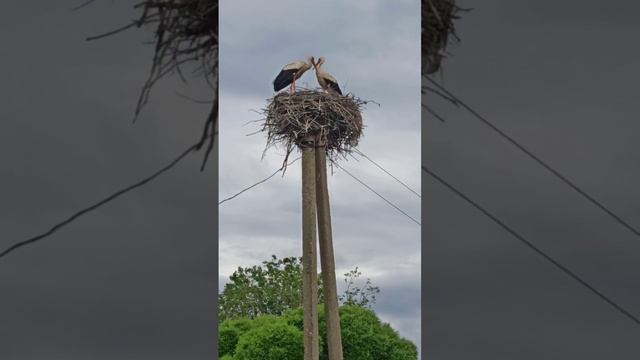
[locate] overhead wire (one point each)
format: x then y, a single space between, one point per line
257 183
100 203
532 246
446 94
388 173
377 193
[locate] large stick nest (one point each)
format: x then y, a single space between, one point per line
438 31
298 120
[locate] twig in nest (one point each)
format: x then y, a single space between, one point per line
290 119
437 31
186 32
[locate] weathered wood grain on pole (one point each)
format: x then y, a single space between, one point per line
309 256
327 261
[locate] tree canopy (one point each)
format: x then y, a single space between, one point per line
275 286
267 337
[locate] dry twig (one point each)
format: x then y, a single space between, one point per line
291 119
186 33
437 31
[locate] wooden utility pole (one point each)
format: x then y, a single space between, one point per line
327 261
309 253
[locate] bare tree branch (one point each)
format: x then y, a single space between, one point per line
186 32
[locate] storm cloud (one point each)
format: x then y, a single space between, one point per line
373 50
561 79
135 279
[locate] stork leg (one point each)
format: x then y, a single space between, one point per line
293 84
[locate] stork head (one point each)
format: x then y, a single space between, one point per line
320 61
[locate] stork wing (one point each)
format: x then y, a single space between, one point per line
285 77
334 86
332 83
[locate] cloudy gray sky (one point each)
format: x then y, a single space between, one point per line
137 278
372 48
561 77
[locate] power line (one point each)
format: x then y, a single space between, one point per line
537 159
433 113
531 246
336 164
375 192
387 172
84 4
258 183
426 88
106 200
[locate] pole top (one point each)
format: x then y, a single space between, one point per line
308 142
321 138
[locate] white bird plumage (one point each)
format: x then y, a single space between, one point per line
290 73
326 80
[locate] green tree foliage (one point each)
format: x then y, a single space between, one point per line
364 296
270 288
364 337
275 286
229 332
275 340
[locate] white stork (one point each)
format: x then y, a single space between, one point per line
290 73
326 81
